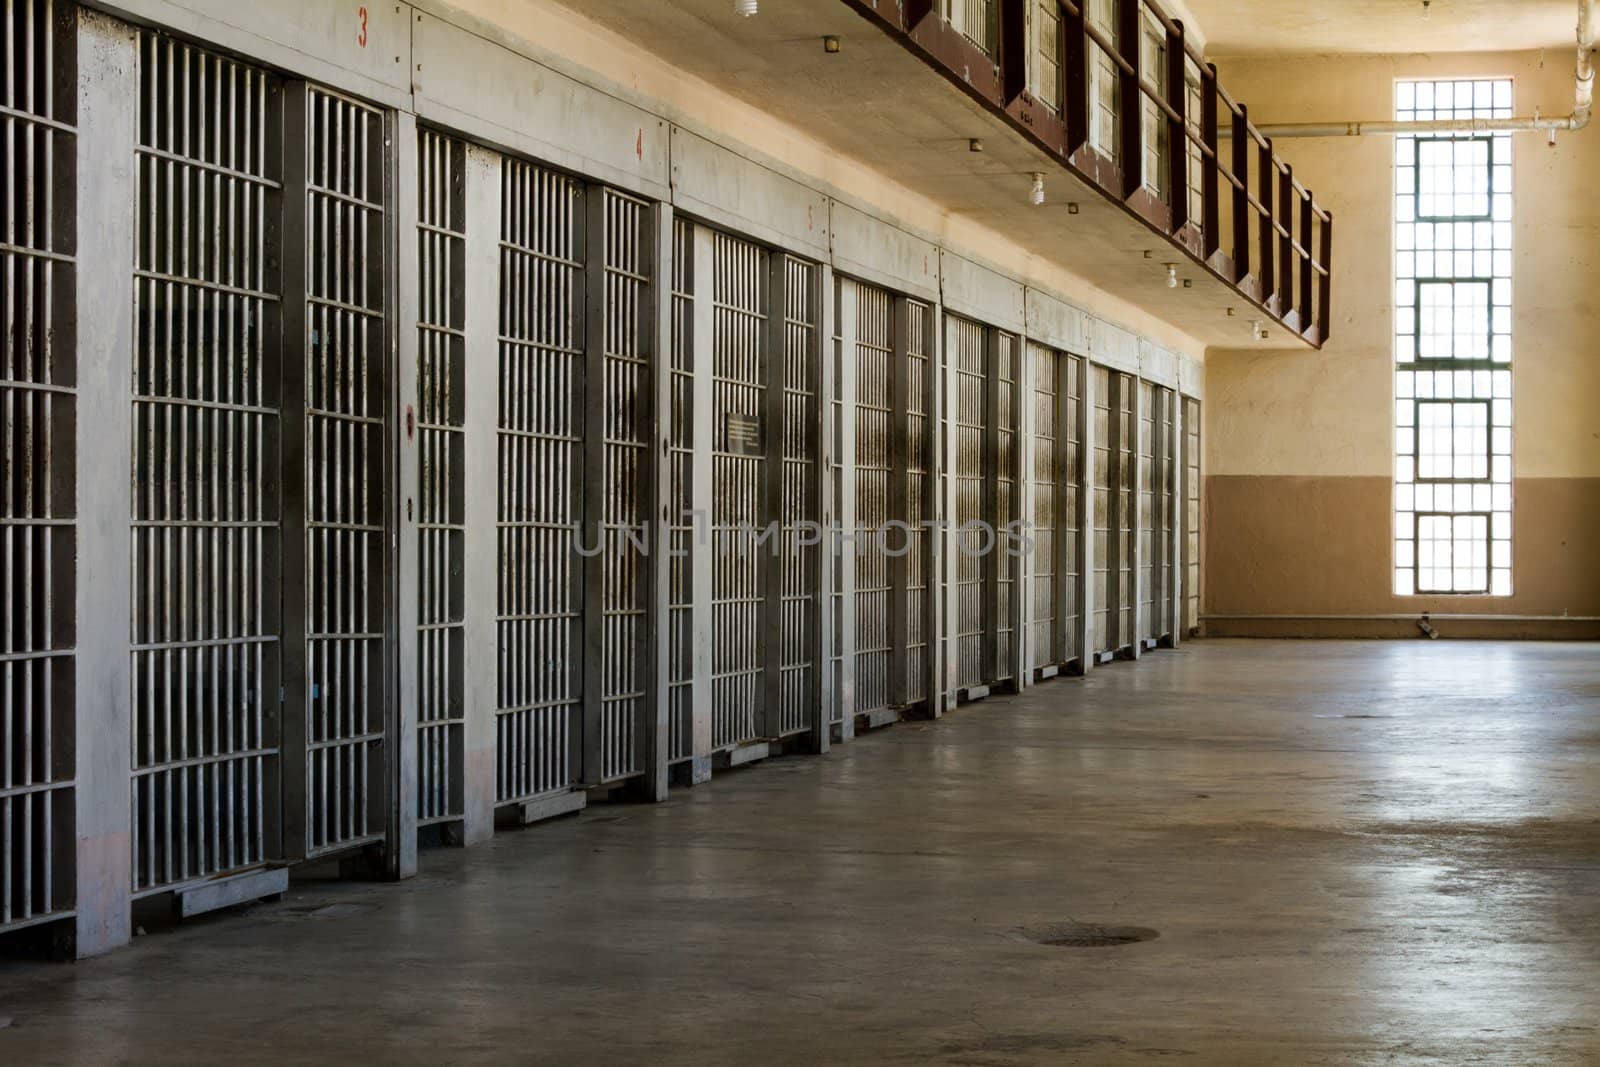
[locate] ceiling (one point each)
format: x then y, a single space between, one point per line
877 103
1267 27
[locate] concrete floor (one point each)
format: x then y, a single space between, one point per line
1353 853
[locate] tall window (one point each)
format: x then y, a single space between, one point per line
1453 344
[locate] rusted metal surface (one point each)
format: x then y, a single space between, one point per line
1114 101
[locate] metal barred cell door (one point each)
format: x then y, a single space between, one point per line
1000 562
1048 492
206 464
967 345
680 501
38 488
540 609
441 423
344 397
874 460
620 406
1149 520
1123 509
1166 532
1191 517
740 286
793 429
1069 488
1103 587
916 471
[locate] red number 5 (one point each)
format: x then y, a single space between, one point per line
361 38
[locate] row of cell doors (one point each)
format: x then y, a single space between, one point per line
266 589
278 629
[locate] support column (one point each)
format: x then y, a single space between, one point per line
480 658
822 387
401 860
658 495
108 95
847 511
703 443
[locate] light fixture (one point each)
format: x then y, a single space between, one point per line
1230 313
830 45
1172 275
744 7
1072 208
1036 194
1256 332
974 145
1188 283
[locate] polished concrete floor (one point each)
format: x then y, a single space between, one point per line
1352 852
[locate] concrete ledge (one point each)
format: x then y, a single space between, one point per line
872 720
746 753
975 692
1048 672
551 807
230 890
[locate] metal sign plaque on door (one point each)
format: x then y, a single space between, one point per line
742 434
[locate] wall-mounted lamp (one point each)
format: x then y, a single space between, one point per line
1256 331
1036 194
974 145
1172 275
830 45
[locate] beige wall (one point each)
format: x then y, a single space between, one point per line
560 37
1299 445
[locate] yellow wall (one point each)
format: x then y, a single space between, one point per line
1299 445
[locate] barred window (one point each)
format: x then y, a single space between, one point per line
1453 344
1046 73
1105 88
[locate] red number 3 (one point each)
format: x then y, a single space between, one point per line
361 38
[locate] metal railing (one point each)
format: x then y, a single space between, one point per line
1224 197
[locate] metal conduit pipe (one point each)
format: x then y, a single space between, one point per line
1582 107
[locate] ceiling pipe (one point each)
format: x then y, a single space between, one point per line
1583 105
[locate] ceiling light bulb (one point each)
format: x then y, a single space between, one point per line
830 45
744 7
1172 275
1036 194
1256 332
